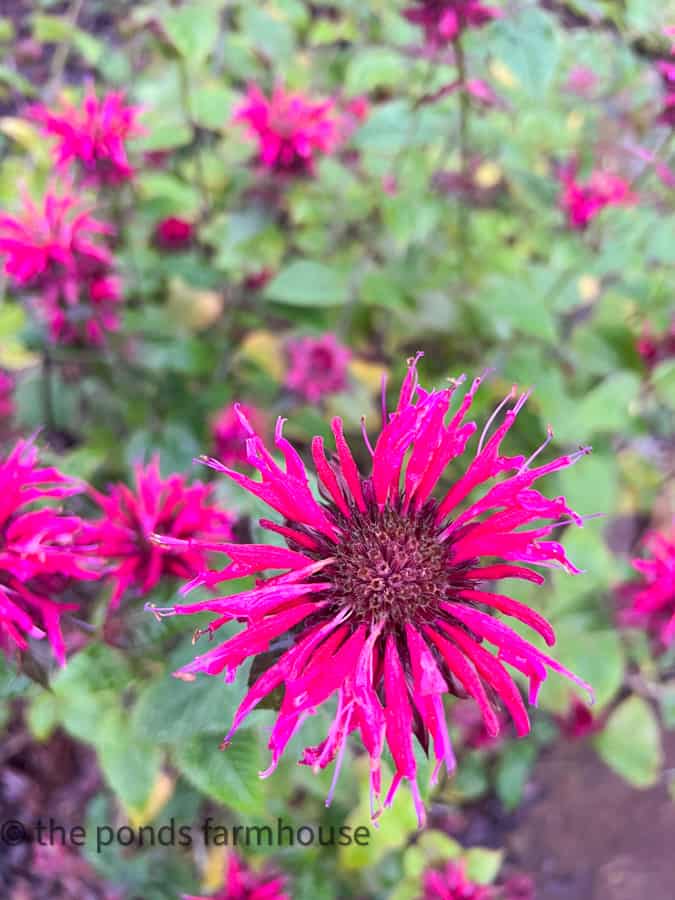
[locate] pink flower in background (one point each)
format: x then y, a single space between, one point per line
451 883
42 550
444 20
291 130
656 348
93 134
256 281
135 519
53 253
317 367
581 80
582 202
578 722
517 887
384 596
174 233
242 883
653 597
230 434
473 731
6 396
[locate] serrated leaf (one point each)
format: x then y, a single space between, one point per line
631 742
229 776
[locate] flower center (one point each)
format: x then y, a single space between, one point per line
391 566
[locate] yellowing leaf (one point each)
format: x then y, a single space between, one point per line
26 135
575 120
502 74
264 349
159 796
487 175
368 374
589 288
194 309
215 869
15 357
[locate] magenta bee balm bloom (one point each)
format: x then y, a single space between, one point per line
291 130
582 202
385 596
135 519
242 883
444 20
54 255
41 551
93 135
230 434
653 598
451 883
317 367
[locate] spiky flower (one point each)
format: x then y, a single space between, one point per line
452 883
291 129
583 201
317 367
653 598
243 883
444 21
42 550
93 135
385 596
54 255
136 519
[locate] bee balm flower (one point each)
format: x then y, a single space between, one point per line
291 130
242 883
41 551
583 202
653 599
444 20
53 254
386 596
164 507
93 135
316 367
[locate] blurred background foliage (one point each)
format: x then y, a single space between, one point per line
383 249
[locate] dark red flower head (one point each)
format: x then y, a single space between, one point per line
242 883
653 597
317 367
174 233
42 550
444 21
93 135
655 348
582 202
54 254
291 130
156 509
451 883
579 721
386 594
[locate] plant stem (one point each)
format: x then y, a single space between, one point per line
47 393
62 52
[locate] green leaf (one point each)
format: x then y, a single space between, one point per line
663 379
193 30
308 283
271 35
596 656
607 407
513 769
483 865
631 743
375 67
43 715
130 765
229 776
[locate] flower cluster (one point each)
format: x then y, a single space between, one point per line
653 598
452 883
291 130
92 135
243 883
384 596
655 348
317 367
54 254
42 551
443 21
582 202
140 525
